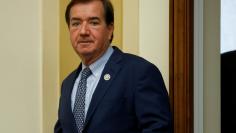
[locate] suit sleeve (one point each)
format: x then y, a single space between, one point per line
57 128
152 102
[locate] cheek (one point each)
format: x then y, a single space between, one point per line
102 36
73 36
73 40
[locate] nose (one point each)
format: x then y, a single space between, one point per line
84 29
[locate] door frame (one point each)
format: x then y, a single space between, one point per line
181 64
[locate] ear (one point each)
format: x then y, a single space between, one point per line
111 30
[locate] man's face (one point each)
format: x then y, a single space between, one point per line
89 33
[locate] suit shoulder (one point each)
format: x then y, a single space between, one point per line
136 60
70 76
68 80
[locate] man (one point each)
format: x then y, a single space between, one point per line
111 91
228 86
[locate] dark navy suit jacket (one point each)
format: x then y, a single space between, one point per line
134 100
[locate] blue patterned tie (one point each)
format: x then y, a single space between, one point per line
79 107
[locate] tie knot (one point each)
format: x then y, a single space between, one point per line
86 73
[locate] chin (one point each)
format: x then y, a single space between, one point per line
84 53
83 50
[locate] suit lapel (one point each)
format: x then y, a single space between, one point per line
69 87
111 68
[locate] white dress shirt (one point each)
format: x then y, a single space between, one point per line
92 81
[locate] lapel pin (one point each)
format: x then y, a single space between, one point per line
107 77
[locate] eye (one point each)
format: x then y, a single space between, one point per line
75 24
94 23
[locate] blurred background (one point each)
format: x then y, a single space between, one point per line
36 54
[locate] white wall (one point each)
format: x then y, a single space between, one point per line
146 32
21 66
131 26
51 85
228 30
154 34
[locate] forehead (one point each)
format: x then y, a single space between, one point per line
87 9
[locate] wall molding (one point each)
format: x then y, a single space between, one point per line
198 67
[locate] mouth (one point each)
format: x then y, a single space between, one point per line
85 42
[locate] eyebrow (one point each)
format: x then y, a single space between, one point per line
94 18
75 19
90 18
